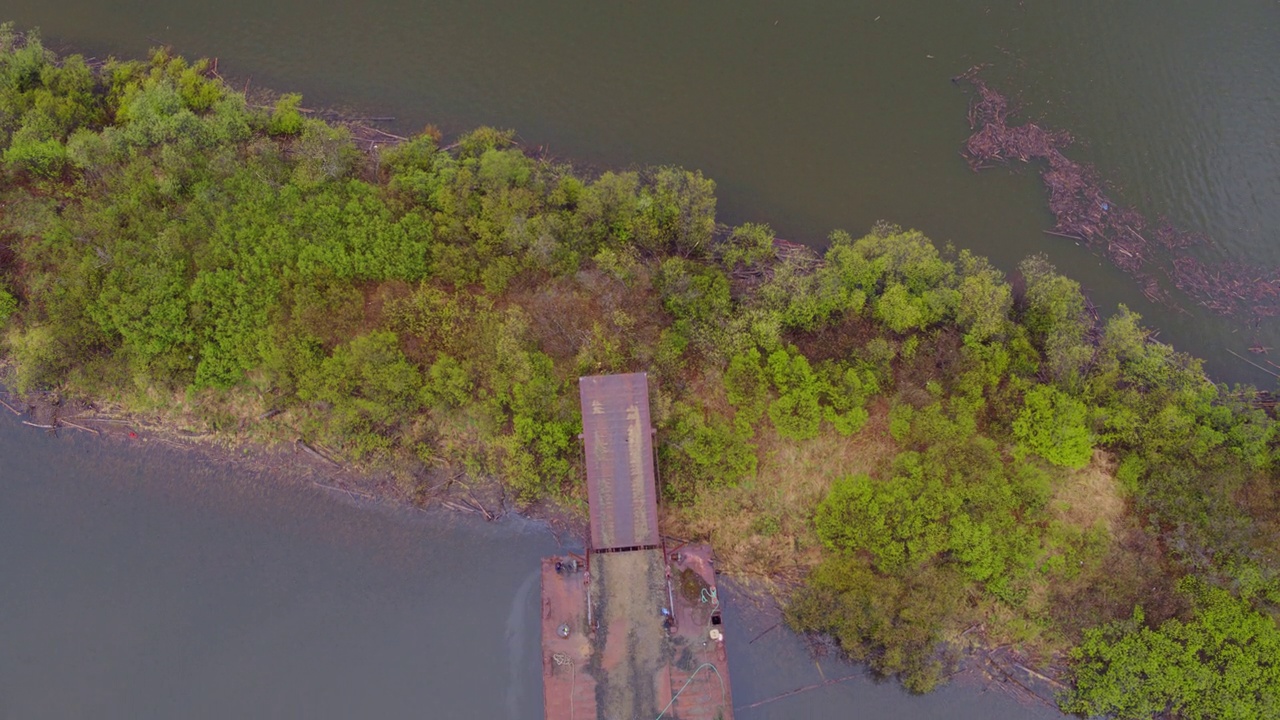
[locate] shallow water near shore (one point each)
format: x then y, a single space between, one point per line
135 583
810 116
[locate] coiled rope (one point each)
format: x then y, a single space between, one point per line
562 659
723 694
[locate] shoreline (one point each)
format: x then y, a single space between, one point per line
981 665
297 462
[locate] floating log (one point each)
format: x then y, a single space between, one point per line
70 424
797 691
1233 352
353 494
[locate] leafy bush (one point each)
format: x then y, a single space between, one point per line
807 300
894 623
448 384
677 213
35 352
1055 317
323 153
537 459
704 450
985 298
796 411
1222 663
746 385
1052 425
749 246
44 158
8 305
286 118
370 371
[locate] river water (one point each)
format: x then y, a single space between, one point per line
136 585
810 115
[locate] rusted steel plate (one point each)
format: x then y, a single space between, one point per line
568 684
653 643
699 662
618 437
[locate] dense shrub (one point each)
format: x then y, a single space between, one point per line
1052 425
1222 663
8 305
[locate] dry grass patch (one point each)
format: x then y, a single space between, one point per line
1111 565
1090 495
1087 514
1134 572
763 528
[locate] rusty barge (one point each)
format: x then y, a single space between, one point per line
632 628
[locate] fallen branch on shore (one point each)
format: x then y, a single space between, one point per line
487 515
1041 676
445 485
456 507
316 453
109 420
1014 687
70 424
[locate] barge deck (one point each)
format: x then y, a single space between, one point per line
632 629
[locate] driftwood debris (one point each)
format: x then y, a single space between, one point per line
1084 212
797 691
316 453
78 426
1269 372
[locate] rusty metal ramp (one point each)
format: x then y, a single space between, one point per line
618 436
